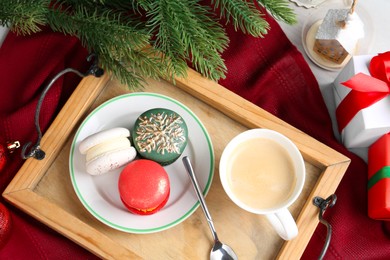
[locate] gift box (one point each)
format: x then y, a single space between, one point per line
364 115
3 34
379 179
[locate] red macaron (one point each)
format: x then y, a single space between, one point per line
144 187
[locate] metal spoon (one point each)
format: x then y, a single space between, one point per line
219 250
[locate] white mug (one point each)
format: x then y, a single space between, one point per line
263 172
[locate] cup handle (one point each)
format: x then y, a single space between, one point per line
283 223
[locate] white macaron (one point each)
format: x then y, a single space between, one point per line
101 137
107 150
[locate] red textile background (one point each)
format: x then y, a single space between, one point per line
268 71
27 64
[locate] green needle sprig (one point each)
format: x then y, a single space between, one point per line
138 39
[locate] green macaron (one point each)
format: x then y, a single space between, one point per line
160 135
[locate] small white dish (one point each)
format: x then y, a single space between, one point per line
100 195
314 21
308 3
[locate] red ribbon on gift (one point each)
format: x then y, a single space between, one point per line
366 90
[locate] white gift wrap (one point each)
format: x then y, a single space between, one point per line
370 123
3 34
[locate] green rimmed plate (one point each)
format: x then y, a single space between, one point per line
99 194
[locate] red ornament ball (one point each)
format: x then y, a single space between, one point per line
3 156
5 225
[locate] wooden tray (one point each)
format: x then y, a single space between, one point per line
43 189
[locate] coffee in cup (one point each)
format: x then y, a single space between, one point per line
263 172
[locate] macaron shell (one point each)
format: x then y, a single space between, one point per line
110 161
160 134
144 185
107 146
101 137
146 212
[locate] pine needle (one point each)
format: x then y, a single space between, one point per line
138 39
280 10
25 17
244 16
118 40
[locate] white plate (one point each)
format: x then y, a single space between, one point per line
99 194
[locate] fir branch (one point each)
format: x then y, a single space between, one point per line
130 35
113 37
119 70
206 40
26 16
280 10
168 39
118 5
244 16
68 18
144 4
184 31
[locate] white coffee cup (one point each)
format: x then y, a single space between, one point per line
263 172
